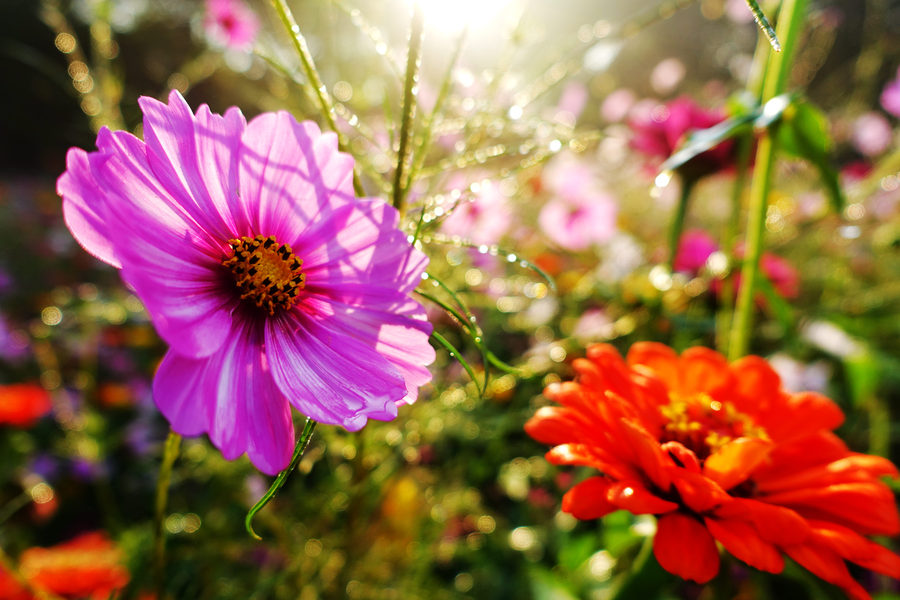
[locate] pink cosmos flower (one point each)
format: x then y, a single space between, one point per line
871 134
694 250
890 96
580 214
660 133
231 23
273 285
484 219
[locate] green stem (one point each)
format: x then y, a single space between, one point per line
790 23
413 58
318 91
299 449
428 125
170 453
677 226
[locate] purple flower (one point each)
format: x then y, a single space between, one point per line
231 23
890 96
271 282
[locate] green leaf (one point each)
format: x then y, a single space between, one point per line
778 306
863 375
702 140
546 585
804 133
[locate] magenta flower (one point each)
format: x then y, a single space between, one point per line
694 249
230 23
273 285
890 96
658 135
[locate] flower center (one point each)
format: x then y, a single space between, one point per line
265 272
704 424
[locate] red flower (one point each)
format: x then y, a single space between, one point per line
721 453
10 589
22 404
659 134
88 566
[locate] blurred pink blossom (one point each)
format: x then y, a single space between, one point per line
738 12
694 249
666 75
231 23
617 104
872 134
579 213
484 219
890 97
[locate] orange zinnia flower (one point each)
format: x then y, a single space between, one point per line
87 566
721 453
22 404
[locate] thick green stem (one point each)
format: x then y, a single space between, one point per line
170 453
299 449
729 241
413 59
315 88
790 24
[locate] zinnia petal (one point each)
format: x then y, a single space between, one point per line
587 500
636 499
867 507
742 541
684 547
733 462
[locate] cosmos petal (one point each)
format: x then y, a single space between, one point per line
309 364
232 397
684 547
291 175
83 206
170 261
195 157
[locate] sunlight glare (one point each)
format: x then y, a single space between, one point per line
454 15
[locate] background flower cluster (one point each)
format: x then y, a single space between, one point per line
539 205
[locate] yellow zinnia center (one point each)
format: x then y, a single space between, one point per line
704 424
266 273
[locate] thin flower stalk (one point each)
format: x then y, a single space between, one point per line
170 454
418 158
314 88
789 28
413 60
299 449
